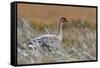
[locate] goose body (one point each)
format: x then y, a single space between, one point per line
50 41
45 42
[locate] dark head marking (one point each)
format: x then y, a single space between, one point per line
63 19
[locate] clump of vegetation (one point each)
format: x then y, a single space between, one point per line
84 24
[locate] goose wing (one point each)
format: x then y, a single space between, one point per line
49 43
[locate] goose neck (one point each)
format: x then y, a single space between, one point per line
59 29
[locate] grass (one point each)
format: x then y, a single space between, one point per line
79 42
84 24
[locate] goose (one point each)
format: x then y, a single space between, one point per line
48 42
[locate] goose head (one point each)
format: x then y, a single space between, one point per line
63 20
